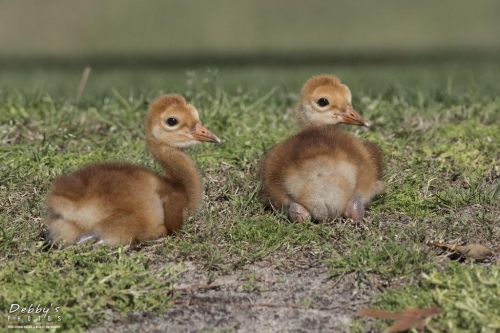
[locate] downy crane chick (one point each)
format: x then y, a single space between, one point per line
322 172
119 203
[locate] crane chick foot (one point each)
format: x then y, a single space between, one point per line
298 213
355 209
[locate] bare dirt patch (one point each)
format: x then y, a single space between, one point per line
258 297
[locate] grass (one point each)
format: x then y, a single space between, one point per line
468 296
437 126
83 283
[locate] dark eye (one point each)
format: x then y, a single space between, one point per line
322 101
172 121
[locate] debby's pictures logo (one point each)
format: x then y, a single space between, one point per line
33 316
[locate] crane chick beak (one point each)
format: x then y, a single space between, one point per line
350 116
202 134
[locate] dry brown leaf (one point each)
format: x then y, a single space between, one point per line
476 251
473 251
405 319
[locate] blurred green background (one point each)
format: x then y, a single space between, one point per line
226 30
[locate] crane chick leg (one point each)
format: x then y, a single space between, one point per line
298 213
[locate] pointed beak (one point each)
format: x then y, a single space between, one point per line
202 134
350 116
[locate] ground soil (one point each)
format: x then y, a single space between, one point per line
259 297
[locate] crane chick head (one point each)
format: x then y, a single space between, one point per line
326 101
172 121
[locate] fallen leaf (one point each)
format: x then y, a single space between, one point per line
473 251
476 251
405 319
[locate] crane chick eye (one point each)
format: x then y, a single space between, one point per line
322 102
172 121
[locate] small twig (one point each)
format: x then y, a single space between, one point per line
83 82
173 290
426 191
338 280
192 287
